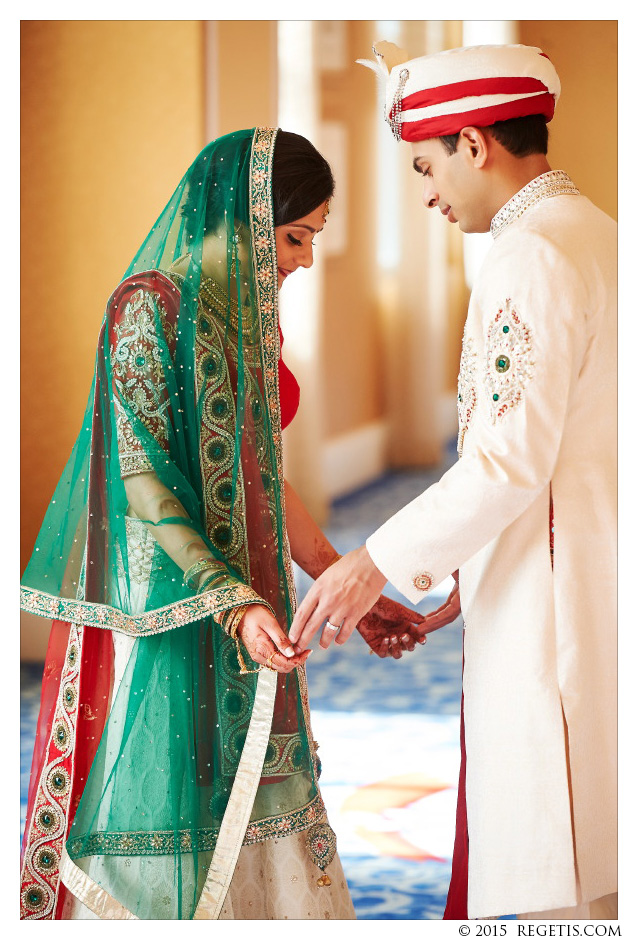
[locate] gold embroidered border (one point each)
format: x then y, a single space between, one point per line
48 824
162 842
220 429
265 261
276 827
174 615
242 796
285 755
156 842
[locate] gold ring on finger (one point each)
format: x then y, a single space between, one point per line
268 663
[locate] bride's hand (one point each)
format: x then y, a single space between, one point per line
390 629
262 636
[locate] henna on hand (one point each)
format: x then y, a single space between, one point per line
390 629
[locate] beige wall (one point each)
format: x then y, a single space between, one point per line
583 137
112 114
353 355
241 75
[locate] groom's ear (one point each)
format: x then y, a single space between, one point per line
474 144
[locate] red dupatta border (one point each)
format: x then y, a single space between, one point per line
60 769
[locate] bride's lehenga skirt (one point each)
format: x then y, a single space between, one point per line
273 880
276 880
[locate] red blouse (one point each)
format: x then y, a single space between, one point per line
288 390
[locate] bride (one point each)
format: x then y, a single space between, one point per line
175 775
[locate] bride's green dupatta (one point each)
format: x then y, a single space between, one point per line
196 758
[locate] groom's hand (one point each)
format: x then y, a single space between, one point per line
443 615
341 596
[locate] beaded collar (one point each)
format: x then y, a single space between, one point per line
552 183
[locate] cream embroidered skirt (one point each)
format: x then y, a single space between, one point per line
273 880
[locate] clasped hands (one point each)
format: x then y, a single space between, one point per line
347 593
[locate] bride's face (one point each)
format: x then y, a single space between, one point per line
295 242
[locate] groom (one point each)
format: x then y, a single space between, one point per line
527 514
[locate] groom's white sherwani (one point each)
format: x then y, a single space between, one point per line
537 416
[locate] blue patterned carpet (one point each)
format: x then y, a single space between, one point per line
393 726
388 733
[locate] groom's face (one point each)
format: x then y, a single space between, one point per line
451 184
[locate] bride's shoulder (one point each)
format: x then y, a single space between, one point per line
137 299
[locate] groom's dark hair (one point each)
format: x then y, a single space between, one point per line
520 136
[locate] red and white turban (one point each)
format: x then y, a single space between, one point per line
473 86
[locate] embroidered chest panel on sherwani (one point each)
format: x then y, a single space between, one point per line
497 358
496 378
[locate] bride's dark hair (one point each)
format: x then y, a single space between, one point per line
301 178
301 181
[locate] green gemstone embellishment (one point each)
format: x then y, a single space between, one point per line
140 360
239 741
46 819
222 535
506 329
271 753
495 397
46 860
502 364
34 899
225 492
220 407
61 736
234 705
210 367
73 655
216 451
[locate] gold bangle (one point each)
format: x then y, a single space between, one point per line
232 633
236 622
229 620
240 659
203 564
334 561
211 582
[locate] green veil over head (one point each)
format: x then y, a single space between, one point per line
178 461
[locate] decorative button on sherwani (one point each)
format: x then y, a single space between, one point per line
423 582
